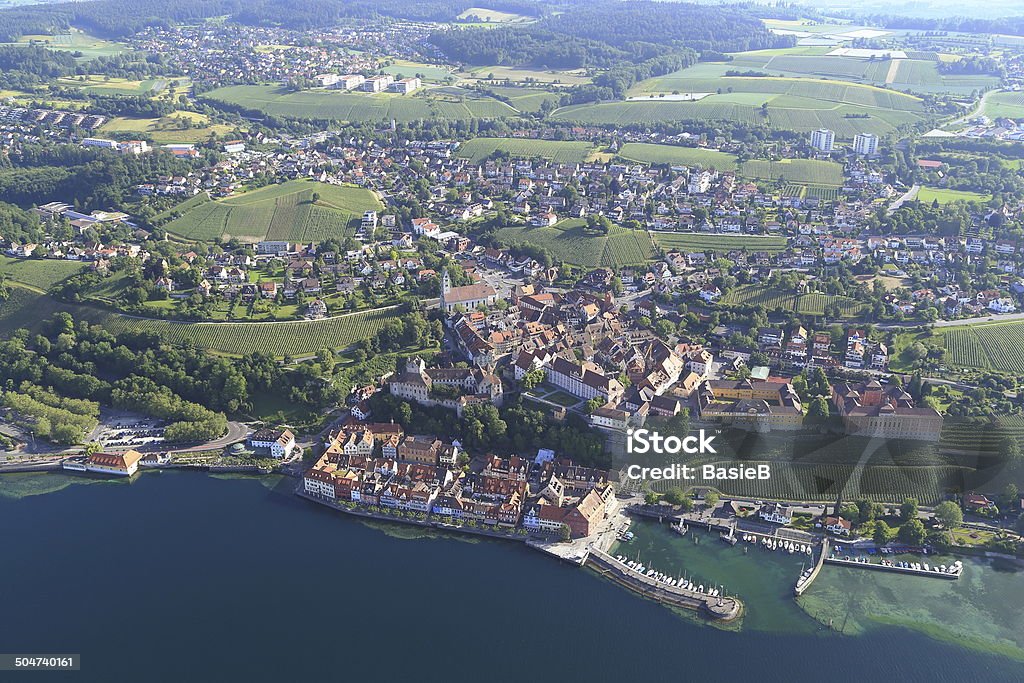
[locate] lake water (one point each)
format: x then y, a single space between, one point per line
188 577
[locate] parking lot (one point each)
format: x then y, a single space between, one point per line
124 433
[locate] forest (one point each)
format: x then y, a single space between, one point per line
606 34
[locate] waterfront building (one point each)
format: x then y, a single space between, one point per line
278 442
776 513
119 464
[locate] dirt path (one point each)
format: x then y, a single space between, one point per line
894 66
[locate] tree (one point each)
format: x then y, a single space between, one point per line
650 498
883 533
818 412
913 532
1019 524
949 515
908 510
711 499
868 510
565 533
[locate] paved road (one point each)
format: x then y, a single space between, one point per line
236 432
907 196
1002 318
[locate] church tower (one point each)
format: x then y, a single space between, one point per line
446 286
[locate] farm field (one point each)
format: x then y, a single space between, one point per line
478 149
276 212
351 106
1008 104
28 309
431 73
799 102
810 171
168 129
76 40
569 241
671 154
523 75
812 303
38 273
988 346
528 100
491 16
102 85
930 194
724 243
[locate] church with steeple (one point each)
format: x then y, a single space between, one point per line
465 298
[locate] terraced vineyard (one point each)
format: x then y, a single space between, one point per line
570 242
995 346
692 241
276 212
38 273
824 482
673 154
820 173
478 149
812 303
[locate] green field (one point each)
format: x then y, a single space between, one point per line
811 171
793 103
276 212
28 309
930 194
102 85
484 15
527 100
671 154
478 149
527 75
813 303
990 346
76 40
181 127
427 72
38 273
570 242
691 242
356 107
1008 104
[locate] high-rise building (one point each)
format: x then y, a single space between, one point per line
823 140
865 144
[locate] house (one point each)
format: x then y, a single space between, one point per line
119 464
974 502
776 513
838 526
278 442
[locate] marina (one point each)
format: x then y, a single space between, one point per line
676 591
952 571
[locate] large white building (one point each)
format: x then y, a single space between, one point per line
823 139
405 85
378 83
865 144
278 442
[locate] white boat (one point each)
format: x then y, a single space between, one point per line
700 588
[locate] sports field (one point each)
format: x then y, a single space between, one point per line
571 242
76 40
276 212
185 127
478 149
353 106
930 194
103 85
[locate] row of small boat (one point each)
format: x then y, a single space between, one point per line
954 568
779 544
671 581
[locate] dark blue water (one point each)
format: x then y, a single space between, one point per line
185 577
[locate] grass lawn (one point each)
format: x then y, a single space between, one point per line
563 398
930 194
571 242
76 40
428 72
